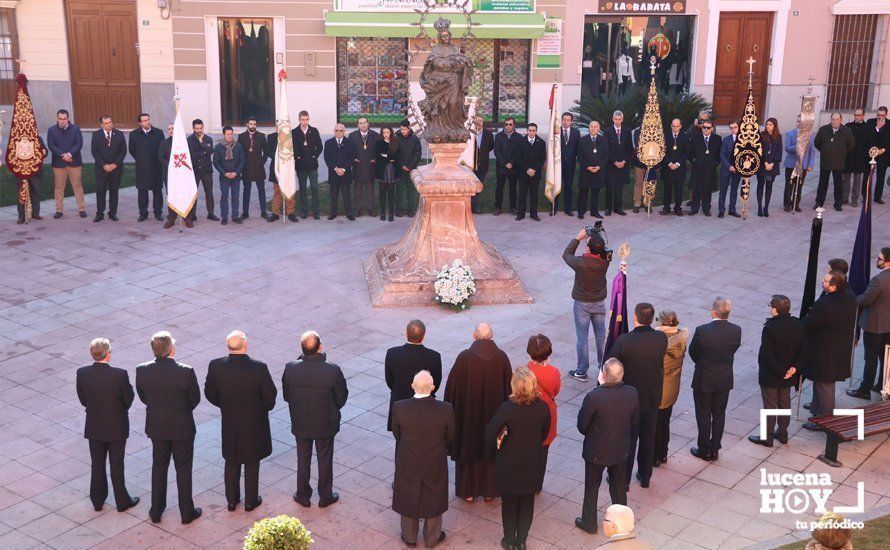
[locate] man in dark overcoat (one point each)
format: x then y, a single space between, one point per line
144 146
618 169
364 141
704 155
254 145
243 390
673 168
339 155
424 430
403 362
834 141
593 158
530 159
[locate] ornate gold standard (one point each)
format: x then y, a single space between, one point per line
748 151
444 230
805 122
650 149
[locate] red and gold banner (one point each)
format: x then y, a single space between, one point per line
24 155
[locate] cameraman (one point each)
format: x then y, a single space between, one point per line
589 294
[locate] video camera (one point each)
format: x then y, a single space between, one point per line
599 232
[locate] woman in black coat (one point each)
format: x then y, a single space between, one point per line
386 170
515 436
770 163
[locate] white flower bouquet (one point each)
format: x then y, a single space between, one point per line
455 285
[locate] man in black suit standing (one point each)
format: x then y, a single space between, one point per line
201 152
424 431
609 420
106 394
315 391
620 153
364 141
109 147
254 145
704 154
881 139
569 139
673 171
339 155
875 322
403 362
506 144
641 351
829 328
307 149
484 141
530 159
243 390
170 392
144 145
593 157
780 360
712 349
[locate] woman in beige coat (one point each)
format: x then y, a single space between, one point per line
673 364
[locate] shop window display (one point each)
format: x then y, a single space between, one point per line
372 79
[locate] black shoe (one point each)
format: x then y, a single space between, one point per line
692 212
797 209
98 218
535 217
305 215
304 503
39 217
879 201
259 500
154 519
141 218
224 221
264 215
689 203
171 220
664 212
57 215
756 440
159 217
698 453
580 215
643 484
860 394
350 218
876 388
569 212
636 209
582 376
608 212
331 217
596 215
327 502
291 217
400 214
839 208
212 217
719 214
441 536
196 513
99 508
383 217
621 212
237 220
245 215
706 213
679 213
315 217
812 427
519 217
787 209
760 212
497 212
82 214
734 214
390 218
234 506
580 525
783 439
713 455
765 212
273 218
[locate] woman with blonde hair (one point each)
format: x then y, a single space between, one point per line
515 437
673 364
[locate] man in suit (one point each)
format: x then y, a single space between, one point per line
364 140
65 141
170 392
144 145
315 391
704 154
254 145
290 204
834 142
780 359
712 349
880 139
106 394
484 141
609 420
307 149
506 144
829 329
593 158
729 178
229 159
201 152
109 148
530 159
673 172
856 168
339 155
620 152
424 432
403 362
243 390
874 319
569 139
409 152
641 351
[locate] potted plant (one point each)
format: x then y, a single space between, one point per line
278 533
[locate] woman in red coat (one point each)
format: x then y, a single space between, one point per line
549 382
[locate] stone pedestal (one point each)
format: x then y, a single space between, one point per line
403 273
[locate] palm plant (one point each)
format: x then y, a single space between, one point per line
684 106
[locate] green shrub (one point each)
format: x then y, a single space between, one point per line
684 106
278 533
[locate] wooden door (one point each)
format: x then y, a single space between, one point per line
741 36
104 62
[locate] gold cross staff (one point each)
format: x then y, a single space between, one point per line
750 61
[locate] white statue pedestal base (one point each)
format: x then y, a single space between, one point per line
403 273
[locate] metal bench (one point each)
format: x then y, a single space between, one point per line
839 429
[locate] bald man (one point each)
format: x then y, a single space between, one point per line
243 390
339 155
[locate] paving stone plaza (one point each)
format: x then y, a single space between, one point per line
65 282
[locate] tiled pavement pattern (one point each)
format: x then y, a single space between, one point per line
65 282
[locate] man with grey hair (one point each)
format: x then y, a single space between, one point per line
315 391
340 155
712 349
424 431
243 390
106 394
609 420
620 152
834 141
618 525
478 383
170 392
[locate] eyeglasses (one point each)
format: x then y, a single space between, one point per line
339 131
508 124
706 127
